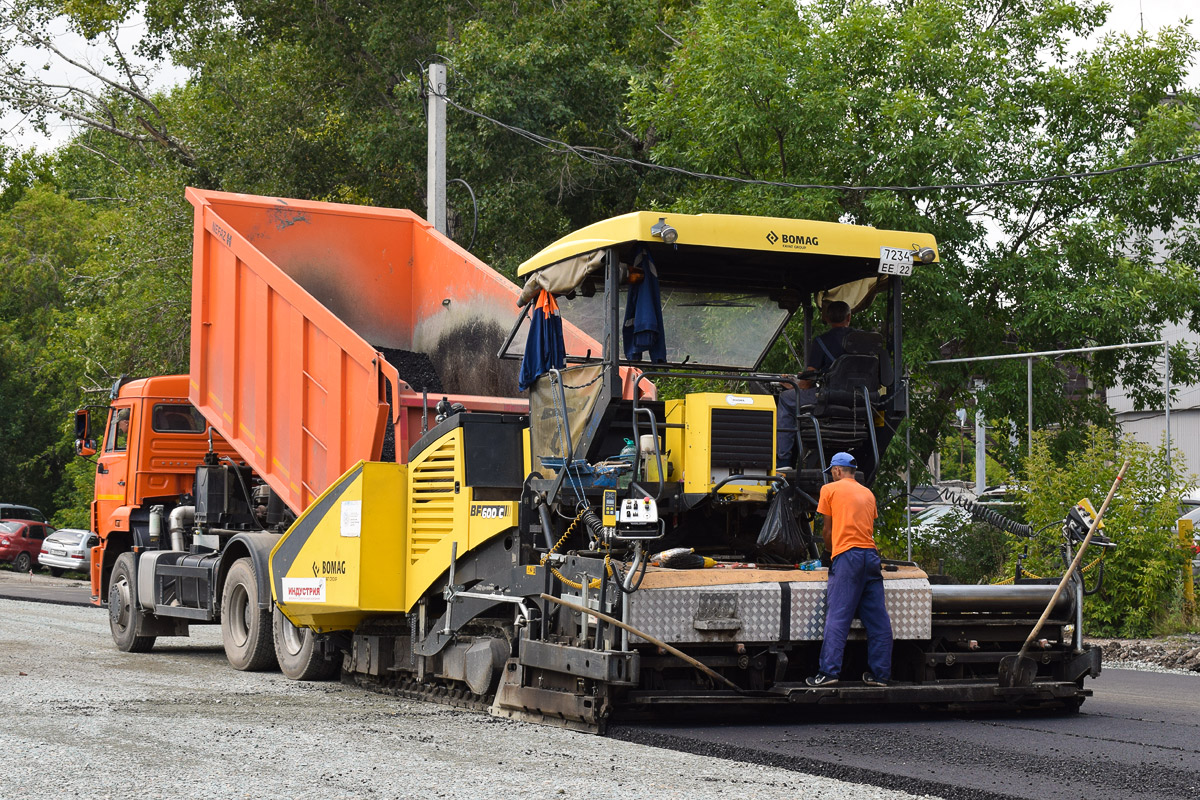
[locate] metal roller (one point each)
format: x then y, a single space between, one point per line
960 599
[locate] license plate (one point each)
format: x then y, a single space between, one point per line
56 551
895 261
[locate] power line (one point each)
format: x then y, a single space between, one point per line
594 155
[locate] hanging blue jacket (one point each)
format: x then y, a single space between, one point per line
544 347
643 328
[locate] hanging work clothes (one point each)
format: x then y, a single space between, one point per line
544 347
643 328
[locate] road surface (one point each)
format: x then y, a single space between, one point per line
1138 737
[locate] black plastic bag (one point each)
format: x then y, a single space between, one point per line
781 536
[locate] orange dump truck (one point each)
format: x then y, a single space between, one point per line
322 335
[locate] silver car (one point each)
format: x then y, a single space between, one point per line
68 549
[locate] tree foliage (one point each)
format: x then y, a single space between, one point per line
845 93
45 240
1141 574
325 101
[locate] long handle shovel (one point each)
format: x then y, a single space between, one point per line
1020 670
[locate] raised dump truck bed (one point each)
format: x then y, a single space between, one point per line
316 330
292 304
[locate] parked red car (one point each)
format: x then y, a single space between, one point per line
21 541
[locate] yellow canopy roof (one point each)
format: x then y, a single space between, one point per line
762 234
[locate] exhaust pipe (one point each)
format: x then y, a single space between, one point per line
182 518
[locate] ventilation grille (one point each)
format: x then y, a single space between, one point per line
742 441
431 499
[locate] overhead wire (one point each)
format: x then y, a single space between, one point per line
594 155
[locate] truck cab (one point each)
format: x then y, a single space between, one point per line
153 441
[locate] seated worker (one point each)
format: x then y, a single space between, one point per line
821 354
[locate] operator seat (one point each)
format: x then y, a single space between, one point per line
843 413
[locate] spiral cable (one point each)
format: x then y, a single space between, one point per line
989 516
594 525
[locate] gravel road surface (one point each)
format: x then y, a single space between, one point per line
78 718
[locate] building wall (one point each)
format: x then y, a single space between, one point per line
1149 425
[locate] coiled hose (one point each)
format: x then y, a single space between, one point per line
989 516
594 583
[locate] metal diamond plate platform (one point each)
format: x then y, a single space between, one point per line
751 612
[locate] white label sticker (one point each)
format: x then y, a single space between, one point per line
735 400
895 261
351 517
304 590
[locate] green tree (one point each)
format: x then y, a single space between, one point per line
45 240
957 451
849 93
1141 587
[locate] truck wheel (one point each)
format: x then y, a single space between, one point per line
245 628
124 613
299 657
23 562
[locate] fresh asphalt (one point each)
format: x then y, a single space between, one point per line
1138 737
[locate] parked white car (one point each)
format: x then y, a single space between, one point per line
931 524
68 549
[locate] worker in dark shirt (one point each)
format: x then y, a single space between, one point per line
821 354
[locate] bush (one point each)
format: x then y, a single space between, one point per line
968 551
1142 573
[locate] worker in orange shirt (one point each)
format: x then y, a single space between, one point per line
855 576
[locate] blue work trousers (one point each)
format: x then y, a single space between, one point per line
856 590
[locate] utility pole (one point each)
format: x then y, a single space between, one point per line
980 453
435 198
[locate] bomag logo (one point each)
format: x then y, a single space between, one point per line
791 240
806 240
329 568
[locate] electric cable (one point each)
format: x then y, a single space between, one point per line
594 583
989 516
474 206
595 155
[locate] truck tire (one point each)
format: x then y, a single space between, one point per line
299 657
245 628
124 613
23 562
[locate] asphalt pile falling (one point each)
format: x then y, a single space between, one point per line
415 369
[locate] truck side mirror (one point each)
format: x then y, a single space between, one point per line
84 444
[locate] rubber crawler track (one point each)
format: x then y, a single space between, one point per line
410 689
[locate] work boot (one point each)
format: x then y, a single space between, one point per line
870 680
821 679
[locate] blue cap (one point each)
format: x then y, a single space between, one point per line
841 460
